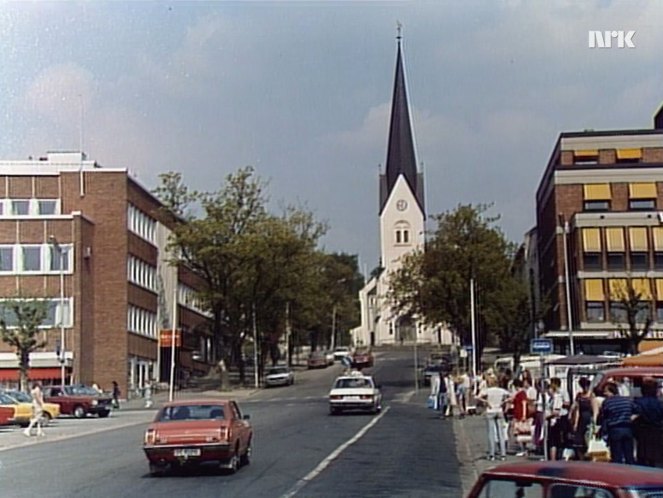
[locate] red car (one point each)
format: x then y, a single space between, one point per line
317 360
362 359
79 400
6 415
190 432
568 480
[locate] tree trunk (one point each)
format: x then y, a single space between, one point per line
24 365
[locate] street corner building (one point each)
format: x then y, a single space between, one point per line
92 242
402 217
599 215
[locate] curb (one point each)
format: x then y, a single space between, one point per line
469 471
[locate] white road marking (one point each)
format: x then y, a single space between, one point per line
333 456
405 397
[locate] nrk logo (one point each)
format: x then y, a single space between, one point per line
604 39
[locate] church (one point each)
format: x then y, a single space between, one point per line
402 217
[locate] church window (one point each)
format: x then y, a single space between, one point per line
402 233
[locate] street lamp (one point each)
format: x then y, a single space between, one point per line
62 251
564 224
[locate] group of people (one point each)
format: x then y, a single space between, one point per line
449 393
540 417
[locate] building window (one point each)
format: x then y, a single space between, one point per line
659 311
402 232
7 258
398 237
141 224
643 313
54 310
592 261
616 261
596 206
31 260
57 260
642 204
658 260
20 207
618 312
595 312
406 236
639 261
47 207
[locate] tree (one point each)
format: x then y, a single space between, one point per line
633 308
20 319
254 262
435 284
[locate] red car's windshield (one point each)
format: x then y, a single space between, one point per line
191 412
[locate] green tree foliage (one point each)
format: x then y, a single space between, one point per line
257 264
435 284
20 319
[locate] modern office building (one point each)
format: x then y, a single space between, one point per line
93 243
599 210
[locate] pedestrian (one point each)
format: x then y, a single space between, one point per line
648 426
494 397
540 415
443 398
116 395
521 423
583 417
452 401
557 417
463 392
37 410
617 414
148 394
435 383
96 387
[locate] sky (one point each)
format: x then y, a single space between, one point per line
301 91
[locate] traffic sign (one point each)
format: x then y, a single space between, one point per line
541 346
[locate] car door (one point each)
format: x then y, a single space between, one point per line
240 427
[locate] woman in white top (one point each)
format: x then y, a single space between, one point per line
494 397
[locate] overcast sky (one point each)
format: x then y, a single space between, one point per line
301 90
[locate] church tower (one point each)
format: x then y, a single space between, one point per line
402 210
402 215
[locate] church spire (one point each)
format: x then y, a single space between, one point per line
401 158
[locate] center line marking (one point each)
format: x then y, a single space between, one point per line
333 456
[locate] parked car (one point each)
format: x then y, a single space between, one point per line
362 358
317 359
341 352
568 479
79 400
355 391
23 408
329 356
428 371
279 376
192 432
635 376
6 414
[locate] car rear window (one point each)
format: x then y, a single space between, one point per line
503 488
352 383
191 412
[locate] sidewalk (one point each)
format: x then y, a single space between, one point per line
138 403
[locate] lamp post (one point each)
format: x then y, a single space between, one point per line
473 330
173 341
62 252
565 227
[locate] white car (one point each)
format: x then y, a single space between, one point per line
279 376
355 391
341 352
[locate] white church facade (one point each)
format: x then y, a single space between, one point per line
402 230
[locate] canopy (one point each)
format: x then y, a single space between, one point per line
644 360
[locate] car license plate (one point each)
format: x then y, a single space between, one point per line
186 452
352 398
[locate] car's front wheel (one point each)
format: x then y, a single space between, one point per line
79 411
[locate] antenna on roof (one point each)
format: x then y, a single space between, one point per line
399 29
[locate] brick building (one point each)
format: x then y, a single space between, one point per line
602 191
108 235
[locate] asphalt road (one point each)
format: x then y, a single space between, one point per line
299 450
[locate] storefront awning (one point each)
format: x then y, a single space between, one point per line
12 374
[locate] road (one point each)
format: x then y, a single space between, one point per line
299 450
